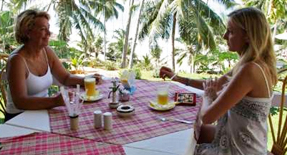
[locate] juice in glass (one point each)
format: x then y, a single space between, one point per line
90 86
162 96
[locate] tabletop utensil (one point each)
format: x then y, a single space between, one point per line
163 119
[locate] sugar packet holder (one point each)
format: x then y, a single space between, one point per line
185 98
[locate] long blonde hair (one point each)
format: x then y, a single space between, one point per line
260 46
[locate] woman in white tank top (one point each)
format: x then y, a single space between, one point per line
33 65
240 100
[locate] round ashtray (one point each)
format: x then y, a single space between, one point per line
125 110
114 105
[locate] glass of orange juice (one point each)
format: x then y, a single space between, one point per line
90 86
162 95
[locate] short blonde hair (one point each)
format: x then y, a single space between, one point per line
260 46
25 22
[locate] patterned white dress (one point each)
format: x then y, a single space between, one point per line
242 130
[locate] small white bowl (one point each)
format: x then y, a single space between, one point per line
125 110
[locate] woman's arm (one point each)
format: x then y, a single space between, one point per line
167 72
215 107
60 73
16 72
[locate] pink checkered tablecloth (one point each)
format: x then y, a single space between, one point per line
47 143
144 124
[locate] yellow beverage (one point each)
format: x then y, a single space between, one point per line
162 98
90 86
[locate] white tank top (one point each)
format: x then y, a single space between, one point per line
37 86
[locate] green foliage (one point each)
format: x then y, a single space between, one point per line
96 63
53 90
138 73
155 73
7 41
145 63
110 65
77 62
274 110
66 65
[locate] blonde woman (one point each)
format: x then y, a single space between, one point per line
242 106
33 65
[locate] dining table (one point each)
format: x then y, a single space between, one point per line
143 133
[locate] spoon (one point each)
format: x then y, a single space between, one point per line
163 119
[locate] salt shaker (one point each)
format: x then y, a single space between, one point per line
98 119
108 121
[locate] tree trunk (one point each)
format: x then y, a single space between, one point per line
104 48
274 31
172 42
192 64
136 36
2 4
124 55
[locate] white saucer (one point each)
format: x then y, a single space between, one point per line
96 97
155 106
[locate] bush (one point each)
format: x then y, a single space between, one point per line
155 73
138 73
96 63
109 65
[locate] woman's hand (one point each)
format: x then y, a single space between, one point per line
210 89
98 78
59 100
165 72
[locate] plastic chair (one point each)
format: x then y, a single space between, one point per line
279 137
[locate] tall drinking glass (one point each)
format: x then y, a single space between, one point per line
90 86
162 95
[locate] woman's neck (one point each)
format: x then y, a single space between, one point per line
32 51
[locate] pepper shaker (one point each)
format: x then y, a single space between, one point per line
108 121
98 119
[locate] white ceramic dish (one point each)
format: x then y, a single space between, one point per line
97 97
155 106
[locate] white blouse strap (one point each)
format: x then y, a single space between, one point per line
264 78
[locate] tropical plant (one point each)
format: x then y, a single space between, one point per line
6 32
108 9
156 53
115 48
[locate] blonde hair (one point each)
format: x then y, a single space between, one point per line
260 46
25 22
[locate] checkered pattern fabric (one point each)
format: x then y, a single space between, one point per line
144 124
47 143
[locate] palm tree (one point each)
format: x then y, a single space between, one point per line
275 11
155 53
115 48
108 9
72 14
161 17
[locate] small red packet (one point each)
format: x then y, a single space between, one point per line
185 98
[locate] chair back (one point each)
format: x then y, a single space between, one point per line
279 131
3 88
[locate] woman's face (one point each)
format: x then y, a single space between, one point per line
236 37
40 32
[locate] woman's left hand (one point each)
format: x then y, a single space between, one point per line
210 88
